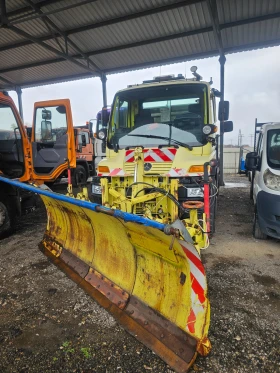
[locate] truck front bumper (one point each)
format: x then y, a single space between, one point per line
268 206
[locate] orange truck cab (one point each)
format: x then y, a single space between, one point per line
84 154
47 155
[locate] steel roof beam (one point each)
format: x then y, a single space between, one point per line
27 7
241 48
77 30
213 11
109 22
166 61
197 56
6 81
51 49
30 17
110 49
61 33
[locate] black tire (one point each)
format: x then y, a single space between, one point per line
252 190
79 176
7 217
250 176
257 232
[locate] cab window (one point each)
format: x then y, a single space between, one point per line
50 123
8 124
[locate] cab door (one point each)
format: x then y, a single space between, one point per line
53 143
258 171
15 159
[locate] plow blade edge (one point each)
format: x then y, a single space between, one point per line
154 285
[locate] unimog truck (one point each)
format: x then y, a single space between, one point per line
162 136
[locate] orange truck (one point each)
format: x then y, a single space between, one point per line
42 158
84 155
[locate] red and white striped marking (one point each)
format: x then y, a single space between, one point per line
153 155
177 172
198 286
117 172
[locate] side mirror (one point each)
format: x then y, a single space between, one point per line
105 117
251 162
90 127
228 126
46 130
84 140
46 114
223 110
102 134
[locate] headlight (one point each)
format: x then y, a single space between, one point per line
96 189
101 135
271 180
207 130
195 192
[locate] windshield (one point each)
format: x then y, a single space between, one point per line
273 148
172 112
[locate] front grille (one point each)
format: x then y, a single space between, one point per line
277 218
159 168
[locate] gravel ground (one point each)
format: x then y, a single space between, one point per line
48 324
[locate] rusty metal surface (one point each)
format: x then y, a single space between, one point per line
173 337
130 324
106 287
75 263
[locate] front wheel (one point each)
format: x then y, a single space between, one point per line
7 217
257 232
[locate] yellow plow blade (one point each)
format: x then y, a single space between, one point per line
152 283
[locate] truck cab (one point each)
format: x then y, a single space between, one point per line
99 144
38 159
264 164
84 155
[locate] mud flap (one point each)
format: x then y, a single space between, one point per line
154 285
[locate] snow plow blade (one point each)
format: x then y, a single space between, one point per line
152 283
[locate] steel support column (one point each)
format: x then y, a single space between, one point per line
222 61
213 12
20 108
104 89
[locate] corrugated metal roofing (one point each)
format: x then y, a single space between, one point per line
120 35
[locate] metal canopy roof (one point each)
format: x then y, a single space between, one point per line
47 41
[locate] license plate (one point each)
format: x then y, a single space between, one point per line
195 192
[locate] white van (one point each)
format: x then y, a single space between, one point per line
265 189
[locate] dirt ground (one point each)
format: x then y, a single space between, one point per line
48 324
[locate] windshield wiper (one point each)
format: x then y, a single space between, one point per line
165 138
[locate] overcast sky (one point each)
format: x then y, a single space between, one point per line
252 85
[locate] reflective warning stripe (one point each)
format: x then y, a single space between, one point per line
129 156
175 172
198 285
153 155
117 172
